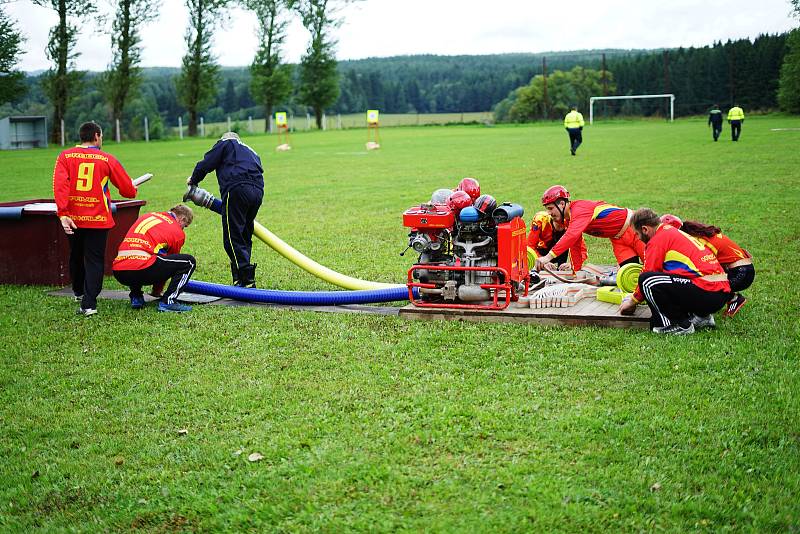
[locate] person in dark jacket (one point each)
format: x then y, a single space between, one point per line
715 121
241 184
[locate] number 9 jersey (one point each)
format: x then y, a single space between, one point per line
80 186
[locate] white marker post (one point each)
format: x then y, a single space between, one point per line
146 130
180 127
202 127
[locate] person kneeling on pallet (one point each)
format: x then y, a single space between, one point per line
545 233
149 254
682 281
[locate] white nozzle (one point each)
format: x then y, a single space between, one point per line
142 179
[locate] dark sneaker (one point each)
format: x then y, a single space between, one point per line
86 312
734 305
674 329
137 303
77 298
703 322
175 307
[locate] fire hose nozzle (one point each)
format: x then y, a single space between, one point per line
199 196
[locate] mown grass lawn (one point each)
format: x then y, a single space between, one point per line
378 423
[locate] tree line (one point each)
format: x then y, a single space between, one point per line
196 86
760 74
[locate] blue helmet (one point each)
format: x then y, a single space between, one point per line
469 214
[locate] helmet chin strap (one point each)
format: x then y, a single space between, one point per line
561 210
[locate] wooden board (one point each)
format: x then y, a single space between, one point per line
587 312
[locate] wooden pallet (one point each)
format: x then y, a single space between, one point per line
586 312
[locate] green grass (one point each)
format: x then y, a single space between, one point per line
381 424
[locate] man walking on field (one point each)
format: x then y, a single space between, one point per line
573 122
735 119
83 205
715 121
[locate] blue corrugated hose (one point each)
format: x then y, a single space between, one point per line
313 298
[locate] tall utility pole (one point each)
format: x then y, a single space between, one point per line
544 77
731 64
666 75
605 84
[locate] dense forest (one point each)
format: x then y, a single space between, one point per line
743 71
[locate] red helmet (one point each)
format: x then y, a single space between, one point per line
554 193
671 220
459 200
485 204
470 186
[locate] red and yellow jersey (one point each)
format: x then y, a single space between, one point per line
540 240
674 252
151 234
80 186
724 248
596 218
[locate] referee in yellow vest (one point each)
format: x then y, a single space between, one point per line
573 122
735 119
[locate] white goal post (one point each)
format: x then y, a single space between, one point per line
631 97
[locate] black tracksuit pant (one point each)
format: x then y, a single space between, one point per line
575 138
673 299
177 267
87 252
716 129
736 130
239 209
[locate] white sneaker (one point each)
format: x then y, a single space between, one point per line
674 329
86 312
703 322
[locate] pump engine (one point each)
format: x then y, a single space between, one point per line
471 256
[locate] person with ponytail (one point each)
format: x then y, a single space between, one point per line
737 262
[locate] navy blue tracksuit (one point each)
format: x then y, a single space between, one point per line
715 120
241 184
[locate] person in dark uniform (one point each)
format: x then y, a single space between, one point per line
715 121
241 184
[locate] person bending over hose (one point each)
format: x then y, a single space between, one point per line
596 218
736 261
682 281
150 254
241 184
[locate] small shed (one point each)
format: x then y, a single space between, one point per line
23 132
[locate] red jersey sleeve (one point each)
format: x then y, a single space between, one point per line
120 178
61 185
580 217
653 261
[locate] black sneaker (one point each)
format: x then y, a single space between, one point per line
87 312
77 298
674 329
137 303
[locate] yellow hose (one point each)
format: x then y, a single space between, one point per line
320 271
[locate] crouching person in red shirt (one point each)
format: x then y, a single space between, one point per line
682 281
150 254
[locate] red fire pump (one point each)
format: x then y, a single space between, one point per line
471 257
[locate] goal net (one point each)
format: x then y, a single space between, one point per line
633 105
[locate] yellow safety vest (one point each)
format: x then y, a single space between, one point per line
735 114
573 120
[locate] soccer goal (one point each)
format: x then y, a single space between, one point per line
632 97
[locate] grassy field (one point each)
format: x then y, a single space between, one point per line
381 424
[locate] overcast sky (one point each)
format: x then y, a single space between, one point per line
379 28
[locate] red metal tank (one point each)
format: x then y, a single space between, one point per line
429 216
